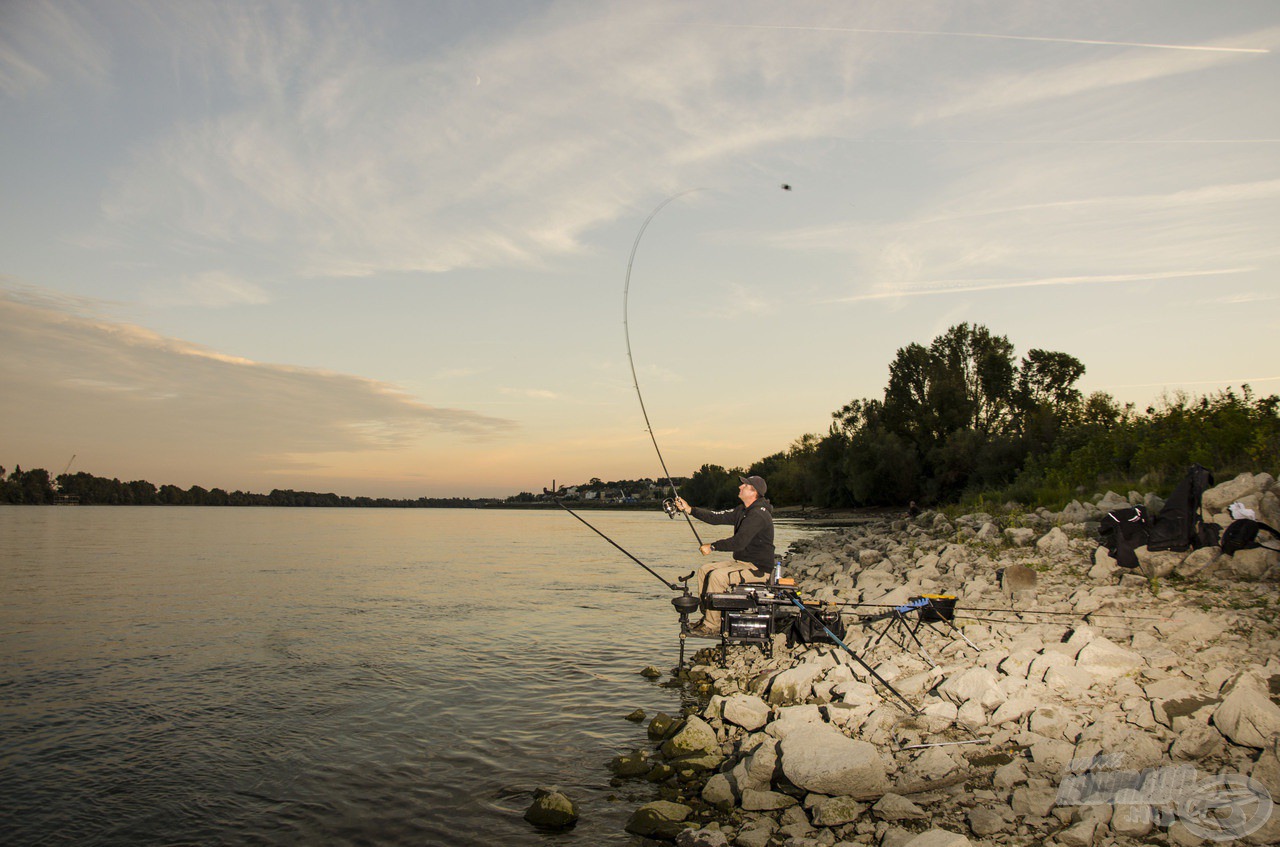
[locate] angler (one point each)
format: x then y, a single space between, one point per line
751 545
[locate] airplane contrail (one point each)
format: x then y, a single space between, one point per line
992 35
999 285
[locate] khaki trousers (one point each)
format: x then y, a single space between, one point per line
718 577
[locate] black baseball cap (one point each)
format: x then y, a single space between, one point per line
757 483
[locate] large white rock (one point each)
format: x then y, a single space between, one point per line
719 790
821 759
1218 498
1105 658
791 718
694 737
1246 715
1252 564
1158 563
794 685
1112 501
1132 816
746 710
757 769
1054 541
1020 536
975 684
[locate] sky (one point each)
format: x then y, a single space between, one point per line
383 248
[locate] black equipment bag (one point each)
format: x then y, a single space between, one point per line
1209 535
1242 534
806 630
1177 527
1122 532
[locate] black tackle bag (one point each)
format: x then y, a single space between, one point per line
1242 534
1179 526
1122 532
806 630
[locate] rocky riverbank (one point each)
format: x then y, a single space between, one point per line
1097 706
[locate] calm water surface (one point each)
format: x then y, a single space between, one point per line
325 676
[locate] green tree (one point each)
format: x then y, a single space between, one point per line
712 487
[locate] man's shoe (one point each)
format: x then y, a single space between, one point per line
704 631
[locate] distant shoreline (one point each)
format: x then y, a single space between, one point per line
785 514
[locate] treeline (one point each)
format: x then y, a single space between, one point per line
617 491
36 487
962 419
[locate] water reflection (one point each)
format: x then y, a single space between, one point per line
280 676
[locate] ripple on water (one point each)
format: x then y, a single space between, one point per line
294 676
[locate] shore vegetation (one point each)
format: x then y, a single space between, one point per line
961 421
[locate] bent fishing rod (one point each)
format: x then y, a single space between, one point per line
669 504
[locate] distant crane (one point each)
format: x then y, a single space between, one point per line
68 467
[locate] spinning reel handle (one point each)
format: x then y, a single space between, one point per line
669 506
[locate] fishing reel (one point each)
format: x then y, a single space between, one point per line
669 506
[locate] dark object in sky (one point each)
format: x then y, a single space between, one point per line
786 187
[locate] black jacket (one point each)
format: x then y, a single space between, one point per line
752 539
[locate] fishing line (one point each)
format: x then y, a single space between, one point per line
673 586
668 505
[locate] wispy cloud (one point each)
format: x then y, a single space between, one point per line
980 241
210 289
141 392
375 163
44 43
531 393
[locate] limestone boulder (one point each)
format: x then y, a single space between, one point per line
694 738
1246 715
757 769
973 685
766 801
1158 563
745 710
719 791
795 684
1252 564
1053 542
822 760
1103 657
1020 536
1112 501
1218 498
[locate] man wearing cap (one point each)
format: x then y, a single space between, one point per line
751 545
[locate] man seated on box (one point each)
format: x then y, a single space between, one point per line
751 545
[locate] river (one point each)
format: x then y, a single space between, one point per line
283 676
